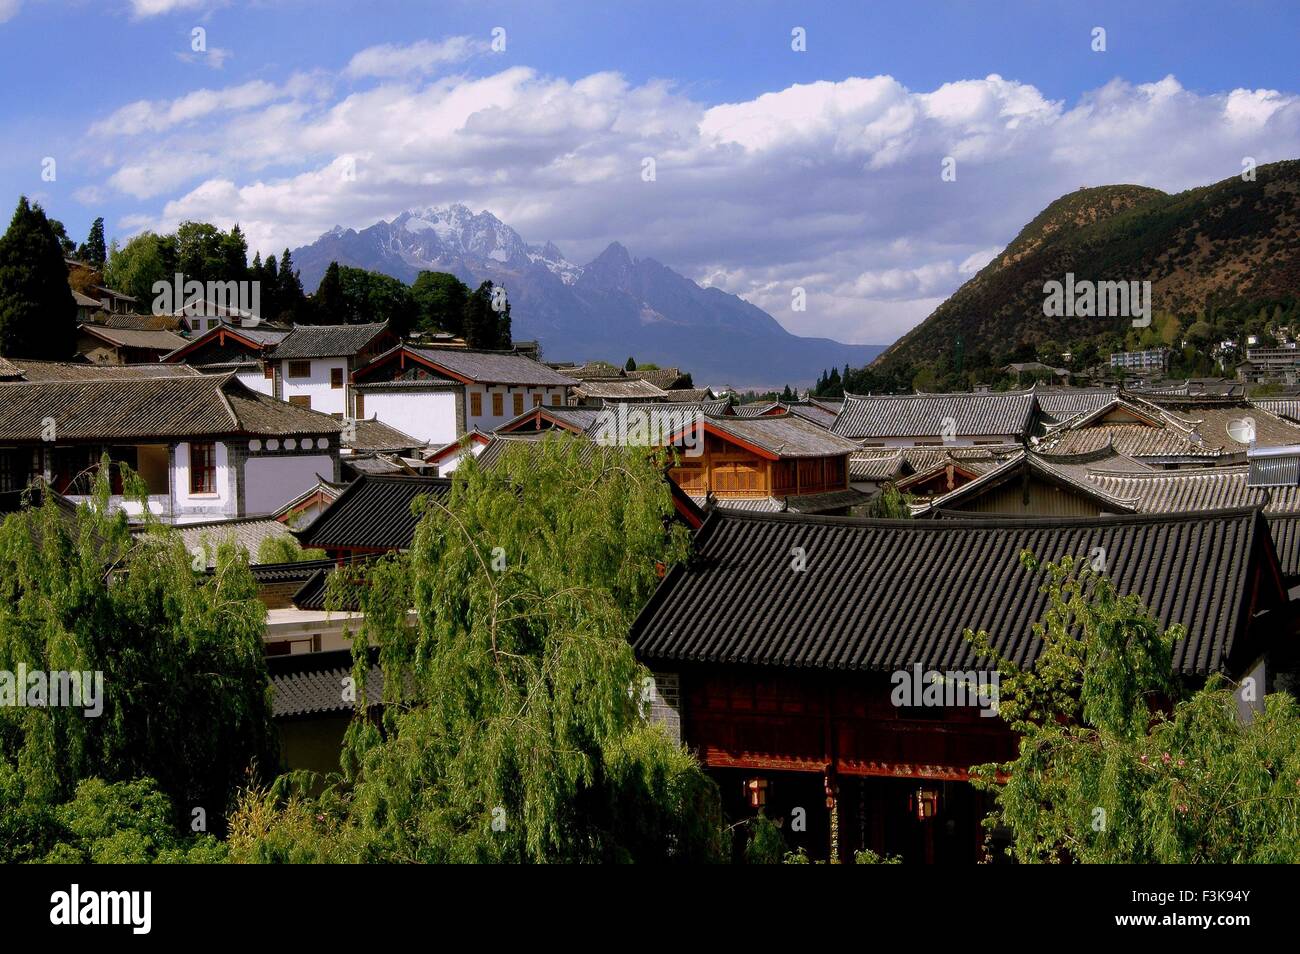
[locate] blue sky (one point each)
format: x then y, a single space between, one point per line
775 168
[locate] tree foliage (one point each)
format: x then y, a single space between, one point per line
185 699
440 300
515 728
487 318
1117 762
38 316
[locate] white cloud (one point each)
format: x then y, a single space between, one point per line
154 116
9 9
831 186
421 57
214 58
153 8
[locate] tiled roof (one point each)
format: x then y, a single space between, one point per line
662 378
813 411
138 322
913 415
879 594
1207 488
576 419
1071 472
1285 529
831 500
308 684
1288 408
1214 420
688 395
619 390
526 442
135 338
594 371
177 407
1196 387
247 532
372 434
1059 404
878 464
755 408
374 512
375 464
327 341
784 435
494 367
890 463
224 342
36 371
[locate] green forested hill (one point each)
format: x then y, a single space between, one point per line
1217 246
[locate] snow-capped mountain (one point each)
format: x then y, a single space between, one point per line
609 308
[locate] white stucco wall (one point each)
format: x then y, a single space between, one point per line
271 482
429 416
487 421
449 465
256 381
222 501
324 398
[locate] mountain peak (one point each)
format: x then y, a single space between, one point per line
615 254
617 305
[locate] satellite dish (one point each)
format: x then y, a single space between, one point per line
1242 430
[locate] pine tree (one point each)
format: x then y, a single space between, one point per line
485 327
95 252
289 293
270 290
630 365
328 304
38 316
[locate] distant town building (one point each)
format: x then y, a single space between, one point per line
1155 359
1270 364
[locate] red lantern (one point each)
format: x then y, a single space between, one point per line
923 803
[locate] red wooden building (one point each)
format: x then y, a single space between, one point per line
780 651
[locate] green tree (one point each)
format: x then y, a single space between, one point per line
290 298
328 305
286 550
123 823
69 247
133 268
485 326
184 699
94 251
370 296
440 300
1117 762
38 316
521 733
630 364
891 504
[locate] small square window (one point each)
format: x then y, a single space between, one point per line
300 369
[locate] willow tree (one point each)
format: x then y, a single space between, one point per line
1118 762
184 698
516 726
